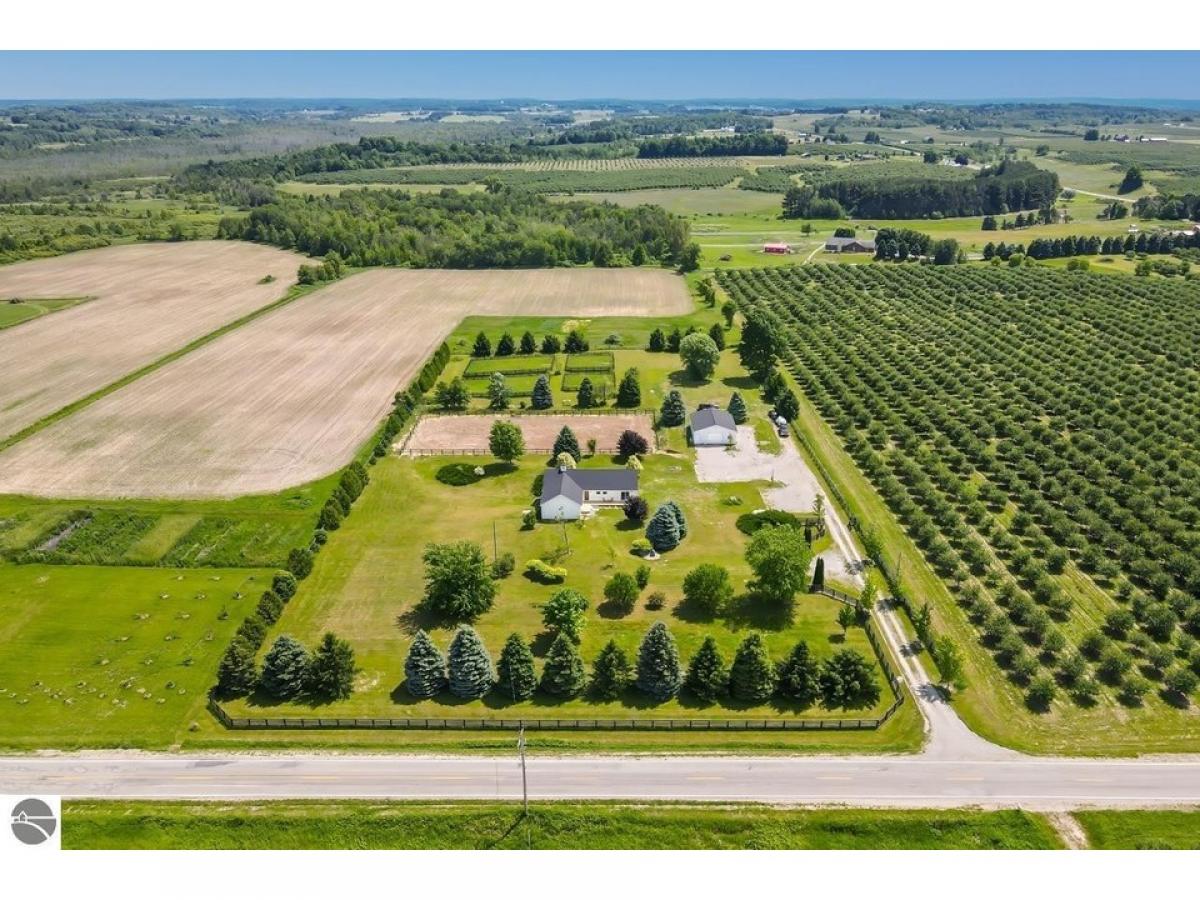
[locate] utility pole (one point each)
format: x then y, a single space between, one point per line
495 546
524 779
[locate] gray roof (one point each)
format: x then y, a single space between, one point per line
706 418
572 483
865 243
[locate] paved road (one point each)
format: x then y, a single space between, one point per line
902 781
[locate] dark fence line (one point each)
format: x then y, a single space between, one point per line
553 411
484 451
308 723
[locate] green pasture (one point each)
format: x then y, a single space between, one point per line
14 313
1141 829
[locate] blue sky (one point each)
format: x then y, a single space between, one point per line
577 75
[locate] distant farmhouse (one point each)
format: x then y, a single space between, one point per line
849 245
713 427
569 493
777 248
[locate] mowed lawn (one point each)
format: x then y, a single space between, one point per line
363 825
99 656
367 586
14 313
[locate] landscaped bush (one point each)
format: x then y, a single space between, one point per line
622 592
749 523
545 573
503 566
457 474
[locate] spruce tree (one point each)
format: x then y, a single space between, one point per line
424 669
679 519
470 665
706 675
515 676
629 392
752 675
285 668
663 530
542 398
673 411
717 333
566 442
737 408
551 344
586 397
237 673
331 672
528 344
507 346
658 671
483 347
658 341
799 677
611 673
562 675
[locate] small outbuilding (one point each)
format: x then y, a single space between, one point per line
777 247
712 427
849 245
568 493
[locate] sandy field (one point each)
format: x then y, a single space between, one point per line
150 299
435 434
289 397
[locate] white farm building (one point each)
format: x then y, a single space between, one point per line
713 427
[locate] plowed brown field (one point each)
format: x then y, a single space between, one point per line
290 396
151 299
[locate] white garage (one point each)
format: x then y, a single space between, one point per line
712 427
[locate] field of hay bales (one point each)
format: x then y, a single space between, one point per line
288 397
150 299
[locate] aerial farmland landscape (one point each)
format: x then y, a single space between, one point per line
561 473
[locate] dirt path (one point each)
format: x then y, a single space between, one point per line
1069 829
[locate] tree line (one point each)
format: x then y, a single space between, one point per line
759 143
1093 245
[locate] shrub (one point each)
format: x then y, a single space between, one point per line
300 562
424 668
284 584
636 508
564 613
528 519
331 672
236 673
543 572
622 592
457 474
707 677
503 566
331 516
708 588
1133 690
658 671
611 673
285 668
642 575
562 674
752 675
469 665
1113 664
749 523
656 600
1181 682
1041 692
458 580
630 443
641 546
515 677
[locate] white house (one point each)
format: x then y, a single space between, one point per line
712 427
566 492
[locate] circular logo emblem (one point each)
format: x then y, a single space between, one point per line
33 821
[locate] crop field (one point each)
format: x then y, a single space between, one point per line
289 397
1053 485
150 299
441 433
548 180
102 656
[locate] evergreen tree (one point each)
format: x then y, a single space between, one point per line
717 333
848 680
562 675
663 530
674 339
611 673
706 674
629 393
507 346
773 385
516 679
679 519
658 671
551 344
566 442
658 341
673 411
788 406
237 673
737 408
799 677
752 675
818 581
586 397
542 398
728 310
499 396
760 344
483 347
528 344
424 669
575 342
331 672
470 665
285 668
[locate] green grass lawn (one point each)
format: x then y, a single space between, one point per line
1141 829
16 313
112 657
361 825
367 584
